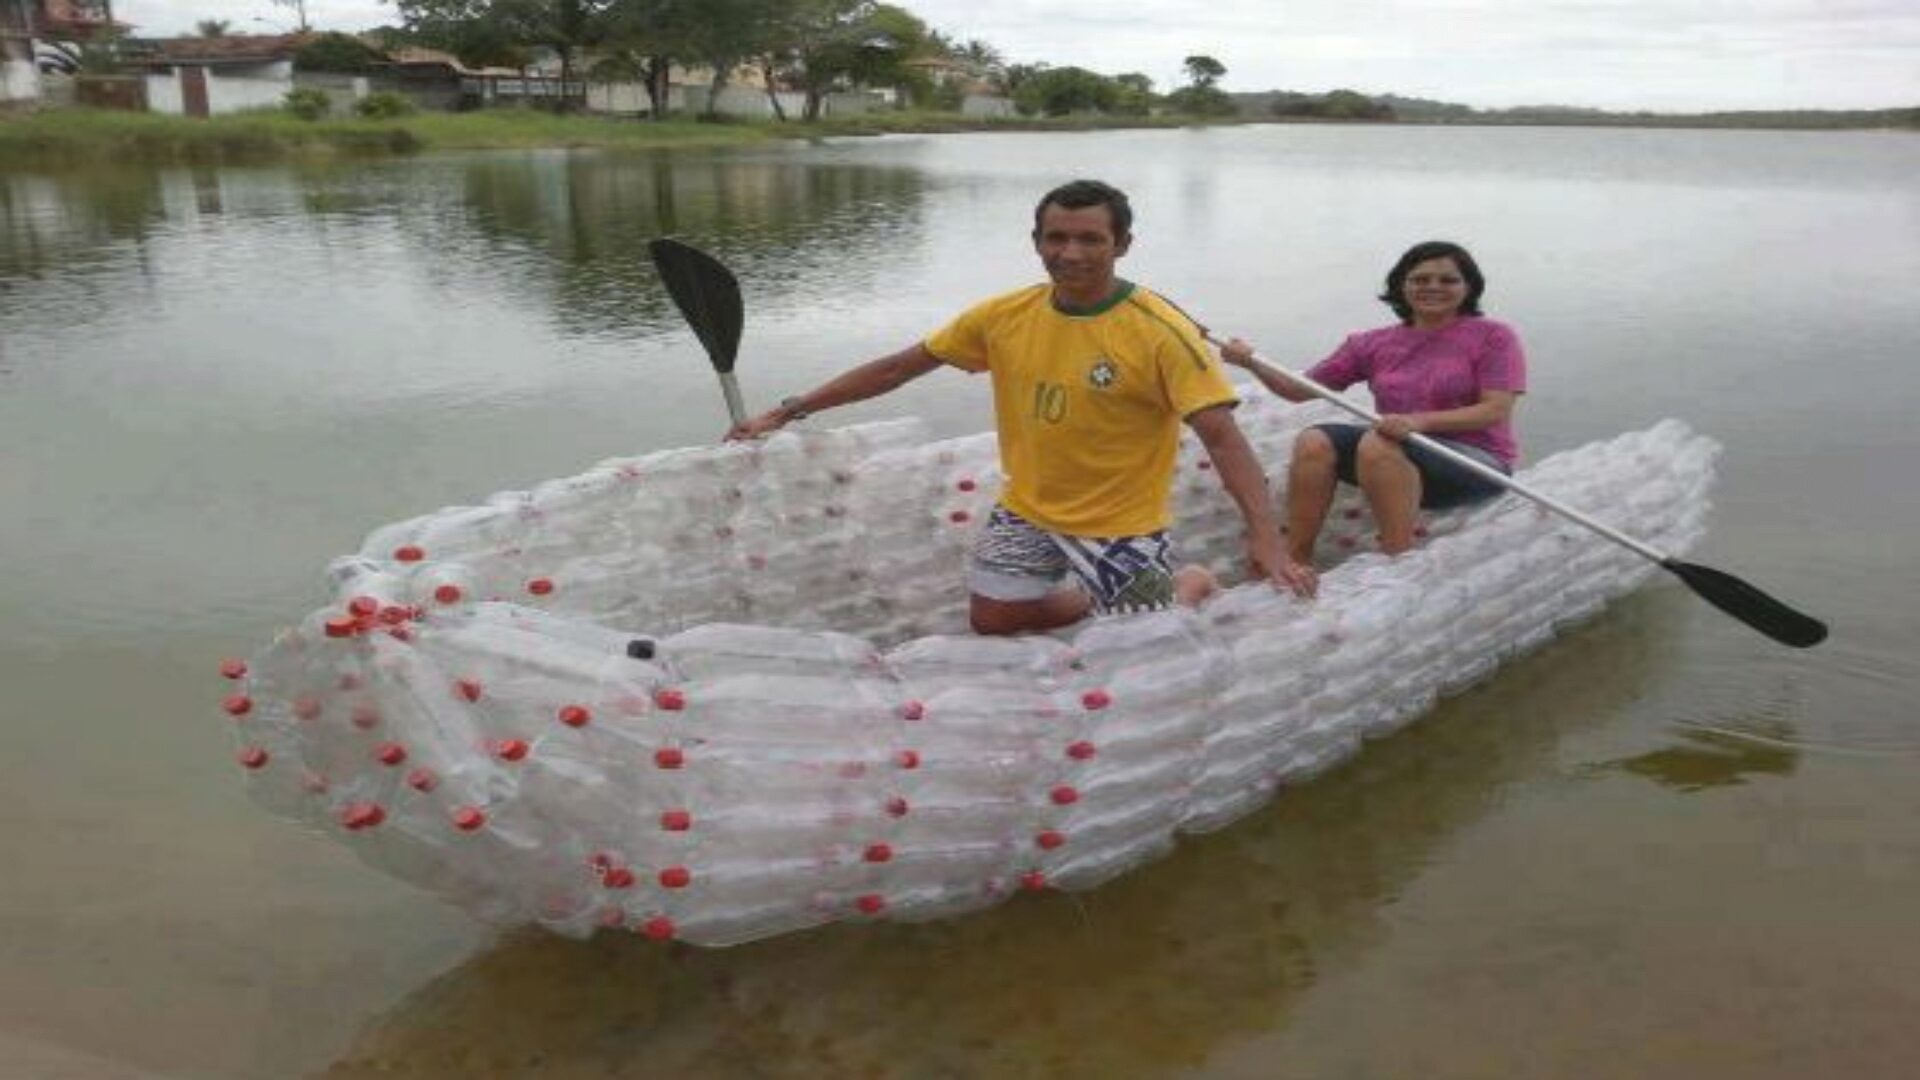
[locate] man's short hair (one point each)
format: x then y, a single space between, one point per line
1081 194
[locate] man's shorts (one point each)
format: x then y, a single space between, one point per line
1016 560
1442 483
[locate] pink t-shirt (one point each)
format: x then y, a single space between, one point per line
1411 370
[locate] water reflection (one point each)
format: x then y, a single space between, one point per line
49 224
1718 758
569 227
1149 973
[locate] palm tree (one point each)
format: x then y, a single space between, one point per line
213 28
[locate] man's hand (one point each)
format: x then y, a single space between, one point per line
754 427
1268 556
1237 353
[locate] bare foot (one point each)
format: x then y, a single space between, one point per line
1194 585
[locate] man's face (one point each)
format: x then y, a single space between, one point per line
1079 249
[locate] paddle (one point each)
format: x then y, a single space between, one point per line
1722 590
708 297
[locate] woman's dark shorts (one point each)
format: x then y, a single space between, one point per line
1442 483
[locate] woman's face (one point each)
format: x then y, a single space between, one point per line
1434 289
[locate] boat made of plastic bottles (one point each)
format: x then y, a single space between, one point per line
721 693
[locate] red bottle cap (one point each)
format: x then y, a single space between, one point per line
1095 700
966 484
409 553
575 715
676 820
676 877
877 853
362 815
669 758
237 704
1033 881
422 780
252 757
510 749
907 759
469 818
913 710
363 607
233 669
670 700
658 928
1050 839
341 626
618 877
540 586
959 517
390 753
467 688
1081 751
871 903
897 807
447 594
1064 795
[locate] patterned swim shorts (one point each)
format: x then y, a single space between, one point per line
1015 560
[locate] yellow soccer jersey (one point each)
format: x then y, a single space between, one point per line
1088 404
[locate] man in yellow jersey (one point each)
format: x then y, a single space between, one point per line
1092 376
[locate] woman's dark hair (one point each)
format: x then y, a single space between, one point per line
1419 253
1080 194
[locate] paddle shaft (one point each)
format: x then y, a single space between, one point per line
1479 468
736 406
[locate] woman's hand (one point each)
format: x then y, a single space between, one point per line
1397 426
1237 353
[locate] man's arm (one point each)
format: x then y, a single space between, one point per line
1241 475
869 380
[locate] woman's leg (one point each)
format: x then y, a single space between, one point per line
1311 478
1392 487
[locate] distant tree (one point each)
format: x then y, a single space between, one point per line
213 28
833 44
1136 94
1203 71
722 34
337 52
1067 90
497 31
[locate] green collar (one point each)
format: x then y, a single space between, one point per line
1121 290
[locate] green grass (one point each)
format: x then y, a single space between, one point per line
90 136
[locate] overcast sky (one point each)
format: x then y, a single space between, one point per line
1666 55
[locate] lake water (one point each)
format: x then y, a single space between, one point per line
1661 847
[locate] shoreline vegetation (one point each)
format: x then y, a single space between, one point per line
79 137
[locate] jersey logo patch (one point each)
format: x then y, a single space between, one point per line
1103 374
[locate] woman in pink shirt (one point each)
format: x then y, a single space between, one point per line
1444 370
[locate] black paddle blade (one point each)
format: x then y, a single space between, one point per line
1750 605
707 295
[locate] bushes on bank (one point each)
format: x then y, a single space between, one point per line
307 103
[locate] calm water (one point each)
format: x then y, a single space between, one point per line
1660 847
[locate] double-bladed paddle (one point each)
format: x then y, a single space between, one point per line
708 297
1716 587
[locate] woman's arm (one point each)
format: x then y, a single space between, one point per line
1493 407
1240 355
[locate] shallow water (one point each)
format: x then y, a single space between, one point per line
1662 846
